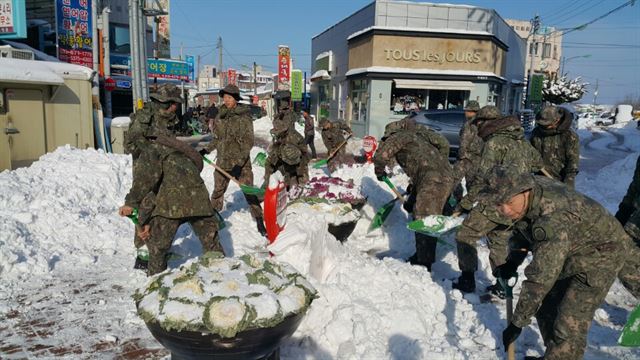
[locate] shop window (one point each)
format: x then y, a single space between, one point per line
119 40
359 100
324 97
405 101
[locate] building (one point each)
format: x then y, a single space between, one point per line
208 78
394 56
544 48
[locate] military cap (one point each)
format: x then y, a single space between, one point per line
472 106
504 182
231 90
166 93
392 128
488 112
290 154
548 116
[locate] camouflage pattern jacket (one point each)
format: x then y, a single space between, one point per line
274 160
175 179
434 138
288 116
232 137
571 235
470 150
560 151
629 209
334 136
418 158
504 144
141 121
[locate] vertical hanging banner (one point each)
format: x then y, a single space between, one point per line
231 76
164 46
74 32
296 85
192 65
284 67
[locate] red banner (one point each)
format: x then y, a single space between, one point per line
231 76
284 68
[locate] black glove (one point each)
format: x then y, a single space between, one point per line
510 334
624 213
203 152
236 171
381 175
506 271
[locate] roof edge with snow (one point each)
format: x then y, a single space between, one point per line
397 70
41 72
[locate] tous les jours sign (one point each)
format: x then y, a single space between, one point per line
435 57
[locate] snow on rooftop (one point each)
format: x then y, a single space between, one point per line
31 71
396 70
419 29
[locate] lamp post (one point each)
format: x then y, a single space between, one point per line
565 60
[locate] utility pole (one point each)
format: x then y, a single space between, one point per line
535 26
219 47
255 80
107 61
135 59
198 73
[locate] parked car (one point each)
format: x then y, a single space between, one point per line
447 123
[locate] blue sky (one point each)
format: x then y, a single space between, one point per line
252 30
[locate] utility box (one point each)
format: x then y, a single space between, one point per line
119 127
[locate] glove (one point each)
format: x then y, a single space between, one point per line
409 203
624 213
510 334
381 175
203 152
506 271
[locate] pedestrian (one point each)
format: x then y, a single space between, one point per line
233 139
558 144
504 144
333 137
628 215
170 169
430 175
210 117
577 249
287 154
309 133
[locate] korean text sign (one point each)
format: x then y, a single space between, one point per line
74 31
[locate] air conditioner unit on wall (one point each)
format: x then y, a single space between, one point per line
11 53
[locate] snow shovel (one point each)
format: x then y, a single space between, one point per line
383 213
508 290
631 332
324 162
260 159
249 190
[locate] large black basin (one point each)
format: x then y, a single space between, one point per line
249 344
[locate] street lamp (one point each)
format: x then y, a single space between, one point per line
565 60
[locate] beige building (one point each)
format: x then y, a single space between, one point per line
544 49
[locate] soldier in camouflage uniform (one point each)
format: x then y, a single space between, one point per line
629 216
332 137
284 111
287 154
558 144
233 138
430 174
577 247
504 144
471 145
171 169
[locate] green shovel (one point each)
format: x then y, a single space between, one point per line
324 162
383 213
631 332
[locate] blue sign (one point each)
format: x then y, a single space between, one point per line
13 19
123 84
75 38
192 64
168 69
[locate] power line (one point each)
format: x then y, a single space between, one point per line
560 12
575 13
583 26
598 44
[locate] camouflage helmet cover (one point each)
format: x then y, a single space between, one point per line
290 154
504 182
392 128
548 116
472 106
167 93
488 112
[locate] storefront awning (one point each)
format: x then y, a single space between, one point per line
320 75
433 84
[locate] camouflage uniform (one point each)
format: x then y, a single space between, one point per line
288 154
332 138
504 144
430 174
469 152
629 216
172 172
233 138
558 146
578 248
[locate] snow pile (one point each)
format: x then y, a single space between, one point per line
224 296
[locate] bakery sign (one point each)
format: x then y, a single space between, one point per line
429 56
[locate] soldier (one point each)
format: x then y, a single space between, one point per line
577 247
333 137
558 144
170 169
283 108
430 174
628 215
504 144
287 154
470 144
309 133
162 108
233 138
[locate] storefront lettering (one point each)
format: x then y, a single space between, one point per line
428 56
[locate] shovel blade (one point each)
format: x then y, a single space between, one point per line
631 332
251 190
381 215
320 163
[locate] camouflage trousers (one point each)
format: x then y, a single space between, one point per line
163 230
629 275
243 174
568 308
474 227
431 197
294 175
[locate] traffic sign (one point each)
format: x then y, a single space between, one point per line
109 84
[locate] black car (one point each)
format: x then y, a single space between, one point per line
447 123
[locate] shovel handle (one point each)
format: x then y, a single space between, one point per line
546 173
221 171
335 151
393 188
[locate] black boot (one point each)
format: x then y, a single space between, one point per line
497 290
466 282
425 251
261 228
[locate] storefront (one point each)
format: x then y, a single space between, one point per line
390 71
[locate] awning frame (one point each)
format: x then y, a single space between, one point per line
433 84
